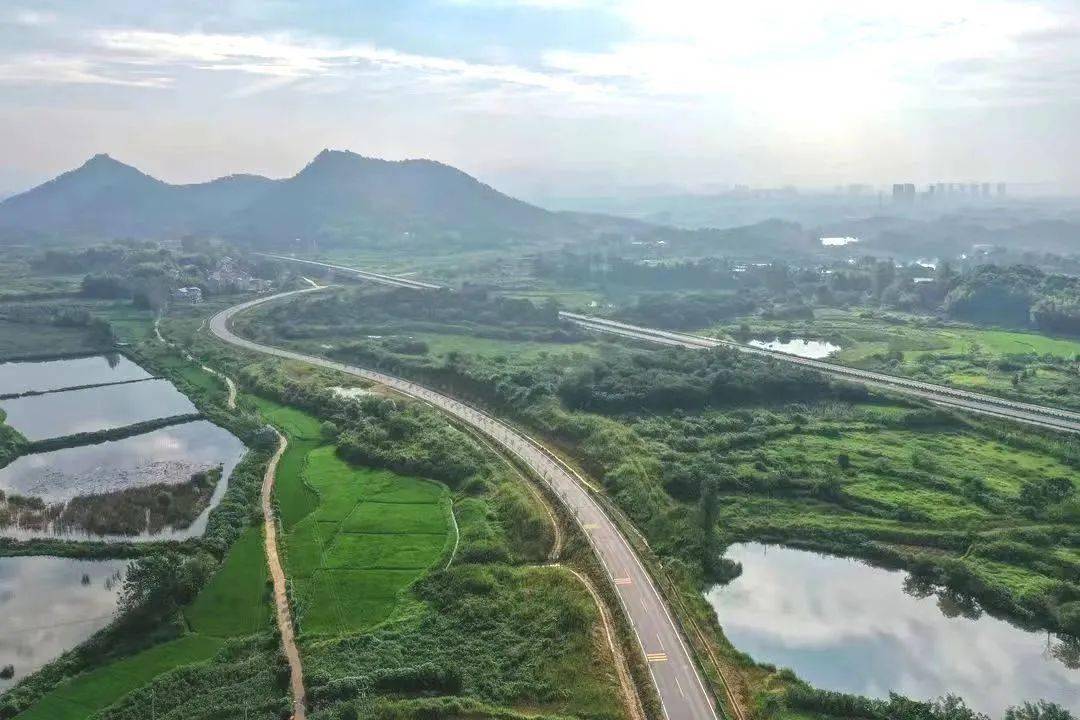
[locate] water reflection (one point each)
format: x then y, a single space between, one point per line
166 456
20 377
844 625
50 605
39 417
814 349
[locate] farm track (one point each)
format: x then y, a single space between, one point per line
281 597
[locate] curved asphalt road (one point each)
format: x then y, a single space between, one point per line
682 692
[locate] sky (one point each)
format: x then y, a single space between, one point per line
550 98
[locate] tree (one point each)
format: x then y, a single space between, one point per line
1041 710
709 512
160 583
328 430
101 331
266 438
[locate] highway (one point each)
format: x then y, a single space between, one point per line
394 280
1054 418
1038 415
682 692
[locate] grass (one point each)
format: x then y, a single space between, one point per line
442 344
525 638
1017 364
294 423
945 485
295 499
911 335
235 602
371 534
199 378
84 695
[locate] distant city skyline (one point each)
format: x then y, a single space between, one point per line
551 97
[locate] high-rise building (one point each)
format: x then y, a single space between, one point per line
1001 189
903 193
986 190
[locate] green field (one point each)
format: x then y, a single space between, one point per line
203 381
294 423
371 535
864 334
83 695
441 344
235 602
295 498
1021 365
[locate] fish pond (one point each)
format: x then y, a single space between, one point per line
47 375
110 481
57 414
844 625
50 605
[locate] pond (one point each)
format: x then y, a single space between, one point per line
50 605
813 349
844 625
20 377
39 417
167 456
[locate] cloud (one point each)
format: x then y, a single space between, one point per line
31 18
831 54
45 69
288 58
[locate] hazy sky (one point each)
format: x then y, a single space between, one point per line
550 97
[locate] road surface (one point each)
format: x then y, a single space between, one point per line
682 693
395 280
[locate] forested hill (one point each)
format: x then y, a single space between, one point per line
339 196
105 199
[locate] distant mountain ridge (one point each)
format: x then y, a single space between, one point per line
339 195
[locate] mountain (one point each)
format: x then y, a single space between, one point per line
341 194
338 196
106 199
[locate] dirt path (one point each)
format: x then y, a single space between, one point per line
230 386
231 402
630 697
281 600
